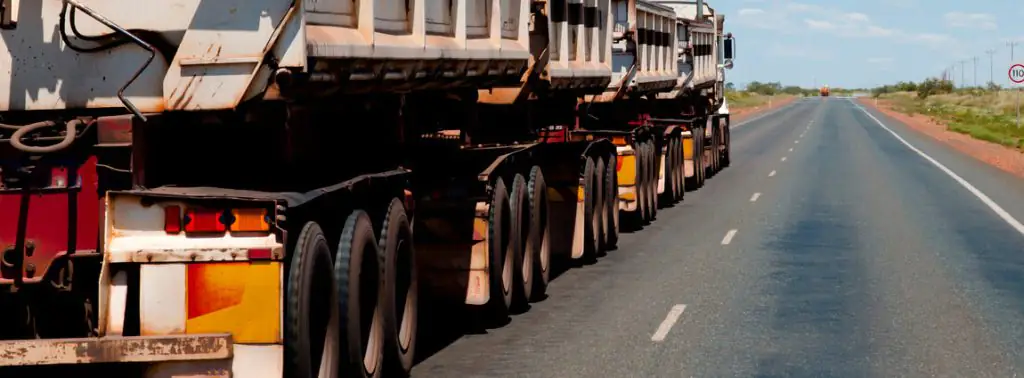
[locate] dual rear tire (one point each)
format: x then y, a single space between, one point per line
352 311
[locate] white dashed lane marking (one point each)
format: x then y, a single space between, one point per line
728 237
670 320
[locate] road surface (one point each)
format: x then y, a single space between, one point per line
831 247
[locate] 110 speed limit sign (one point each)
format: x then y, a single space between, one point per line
1017 74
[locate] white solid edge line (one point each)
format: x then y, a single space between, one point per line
754 197
728 237
670 320
761 116
771 174
1009 219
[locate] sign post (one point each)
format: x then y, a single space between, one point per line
1017 80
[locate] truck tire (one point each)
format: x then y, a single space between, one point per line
668 196
714 151
726 158
703 160
611 204
538 240
652 179
401 291
680 174
357 273
677 166
522 264
590 219
640 184
599 205
500 264
312 328
695 182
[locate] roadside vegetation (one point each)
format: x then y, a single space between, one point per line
757 94
986 113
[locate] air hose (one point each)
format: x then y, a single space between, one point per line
21 131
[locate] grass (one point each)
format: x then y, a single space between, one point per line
988 116
741 100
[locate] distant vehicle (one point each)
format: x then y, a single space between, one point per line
824 91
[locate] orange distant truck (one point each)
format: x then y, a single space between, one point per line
824 91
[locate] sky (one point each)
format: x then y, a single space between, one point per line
867 43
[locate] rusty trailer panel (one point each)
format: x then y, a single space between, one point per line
115 349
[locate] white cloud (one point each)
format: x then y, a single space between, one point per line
901 3
857 17
761 19
746 12
784 15
971 20
798 51
819 24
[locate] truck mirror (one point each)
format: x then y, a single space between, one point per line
729 53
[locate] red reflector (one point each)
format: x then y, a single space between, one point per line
618 165
259 254
172 219
204 220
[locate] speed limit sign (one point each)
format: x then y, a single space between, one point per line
1017 74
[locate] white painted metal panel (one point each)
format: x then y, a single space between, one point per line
579 43
162 299
39 72
401 41
216 48
652 24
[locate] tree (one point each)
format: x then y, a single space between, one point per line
730 86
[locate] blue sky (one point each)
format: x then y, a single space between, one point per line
866 43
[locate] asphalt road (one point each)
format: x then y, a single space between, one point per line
829 248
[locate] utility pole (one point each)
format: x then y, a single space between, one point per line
975 71
963 74
991 65
1012 44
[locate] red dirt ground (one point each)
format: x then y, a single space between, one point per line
737 115
1003 157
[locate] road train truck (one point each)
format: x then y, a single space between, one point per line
231 188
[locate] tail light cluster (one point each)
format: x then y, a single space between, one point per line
205 220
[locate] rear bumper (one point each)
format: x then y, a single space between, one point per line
116 349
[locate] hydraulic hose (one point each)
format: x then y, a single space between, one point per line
21 131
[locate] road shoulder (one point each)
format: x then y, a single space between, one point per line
1002 157
737 115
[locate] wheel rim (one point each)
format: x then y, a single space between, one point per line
545 251
371 318
331 333
372 354
406 289
506 273
527 268
331 347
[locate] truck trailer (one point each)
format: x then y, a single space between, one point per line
269 188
